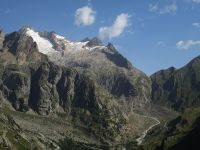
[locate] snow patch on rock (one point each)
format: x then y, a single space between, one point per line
60 37
44 45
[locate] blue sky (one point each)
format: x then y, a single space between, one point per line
152 34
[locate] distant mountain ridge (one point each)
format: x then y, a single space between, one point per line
178 88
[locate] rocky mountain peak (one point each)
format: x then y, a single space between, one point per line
85 39
24 29
111 47
95 41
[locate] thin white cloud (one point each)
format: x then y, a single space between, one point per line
153 8
196 1
85 16
171 8
160 44
122 21
196 24
185 45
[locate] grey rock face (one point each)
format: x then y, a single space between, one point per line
66 89
44 96
94 42
16 88
49 87
1 39
114 56
22 47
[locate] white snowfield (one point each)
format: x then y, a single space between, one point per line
60 37
44 45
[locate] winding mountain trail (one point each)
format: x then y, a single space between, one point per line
141 138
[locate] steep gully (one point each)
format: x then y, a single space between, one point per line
141 138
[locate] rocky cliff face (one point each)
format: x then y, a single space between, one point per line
177 88
44 96
50 89
15 86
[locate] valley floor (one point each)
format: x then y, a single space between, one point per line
141 138
47 132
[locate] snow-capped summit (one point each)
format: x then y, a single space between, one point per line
86 53
49 43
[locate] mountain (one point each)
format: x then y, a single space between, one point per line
177 88
103 64
61 94
56 89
